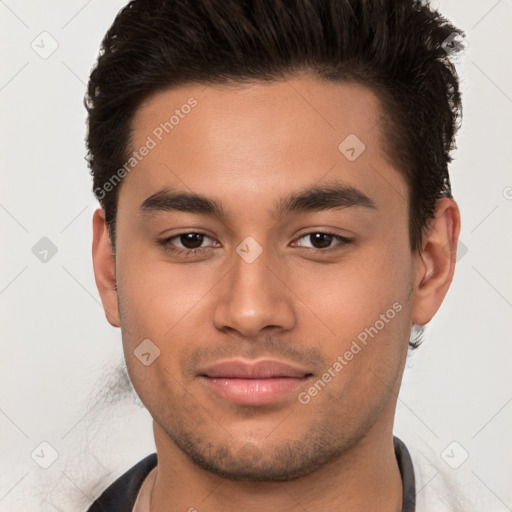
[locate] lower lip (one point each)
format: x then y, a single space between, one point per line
254 391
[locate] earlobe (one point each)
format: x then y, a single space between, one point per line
435 263
104 267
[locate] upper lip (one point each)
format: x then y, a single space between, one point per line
262 369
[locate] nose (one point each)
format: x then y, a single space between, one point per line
252 298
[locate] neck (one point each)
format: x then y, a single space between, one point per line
365 477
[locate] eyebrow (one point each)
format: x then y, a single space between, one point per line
320 198
310 200
167 200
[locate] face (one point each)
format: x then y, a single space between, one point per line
266 257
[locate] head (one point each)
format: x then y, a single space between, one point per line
274 186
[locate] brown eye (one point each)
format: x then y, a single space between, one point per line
188 243
191 240
320 240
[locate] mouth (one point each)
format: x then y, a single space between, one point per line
253 383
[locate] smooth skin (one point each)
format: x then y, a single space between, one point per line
303 301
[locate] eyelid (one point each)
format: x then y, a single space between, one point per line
204 235
343 240
168 245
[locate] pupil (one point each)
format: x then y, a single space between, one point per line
320 240
191 240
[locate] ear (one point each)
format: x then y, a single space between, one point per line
104 267
435 263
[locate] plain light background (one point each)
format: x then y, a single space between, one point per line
58 351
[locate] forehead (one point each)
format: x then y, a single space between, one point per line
259 141
257 112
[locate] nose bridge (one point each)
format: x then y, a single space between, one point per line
252 298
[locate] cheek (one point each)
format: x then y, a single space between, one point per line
352 295
366 304
366 354
158 304
169 307
156 297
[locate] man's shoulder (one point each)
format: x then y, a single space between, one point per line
121 495
443 487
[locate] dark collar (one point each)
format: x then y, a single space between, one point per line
407 472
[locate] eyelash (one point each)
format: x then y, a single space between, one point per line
166 243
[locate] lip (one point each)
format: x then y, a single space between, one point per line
253 383
262 369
